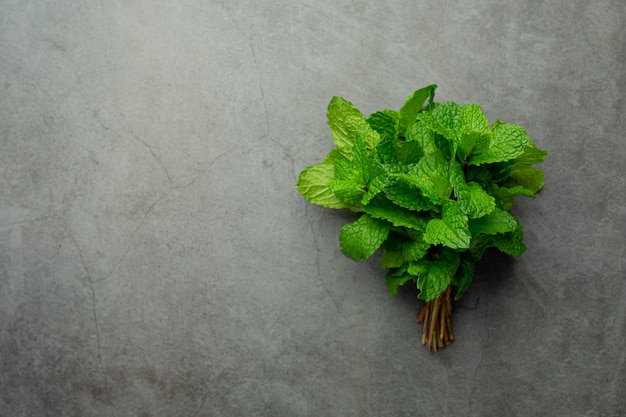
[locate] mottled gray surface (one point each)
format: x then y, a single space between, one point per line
155 259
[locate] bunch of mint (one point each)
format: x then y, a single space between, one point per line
432 185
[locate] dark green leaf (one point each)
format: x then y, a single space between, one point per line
463 277
391 259
406 195
382 208
397 278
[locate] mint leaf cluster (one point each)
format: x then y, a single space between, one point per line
432 185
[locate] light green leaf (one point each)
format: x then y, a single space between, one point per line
348 191
451 230
434 275
345 121
473 120
413 104
507 141
360 239
313 184
338 154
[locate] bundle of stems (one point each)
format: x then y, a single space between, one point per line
437 327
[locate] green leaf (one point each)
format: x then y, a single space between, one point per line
349 191
346 121
451 230
474 128
444 119
531 155
359 178
509 243
434 275
505 196
473 120
360 239
473 200
476 203
430 175
415 250
507 141
338 154
397 278
408 152
313 184
386 124
381 208
406 195
374 187
391 259
498 221
530 179
463 277
414 104
419 133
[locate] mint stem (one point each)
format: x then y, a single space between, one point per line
437 327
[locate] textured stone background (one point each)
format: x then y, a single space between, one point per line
155 259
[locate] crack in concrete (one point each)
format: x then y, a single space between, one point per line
260 82
105 379
317 260
154 155
253 50
91 282
131 238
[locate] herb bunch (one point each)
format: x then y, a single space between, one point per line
432 185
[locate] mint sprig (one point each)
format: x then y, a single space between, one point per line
432 185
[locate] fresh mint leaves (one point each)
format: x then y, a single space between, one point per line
432 185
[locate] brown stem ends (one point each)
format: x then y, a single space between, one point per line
437 327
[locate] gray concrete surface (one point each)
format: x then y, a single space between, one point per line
155 259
